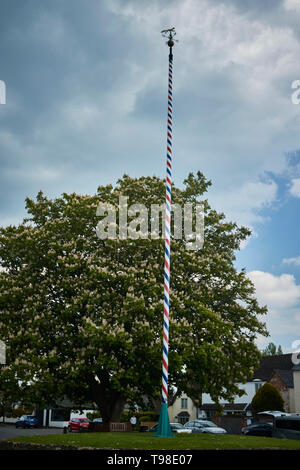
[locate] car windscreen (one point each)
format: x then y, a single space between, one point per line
208 424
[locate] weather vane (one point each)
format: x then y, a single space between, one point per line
169 34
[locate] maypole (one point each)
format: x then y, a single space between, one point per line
164 428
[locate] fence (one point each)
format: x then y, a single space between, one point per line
110 427
232 424
148 424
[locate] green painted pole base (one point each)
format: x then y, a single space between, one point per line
164 428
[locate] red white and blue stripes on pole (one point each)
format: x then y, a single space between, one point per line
165 361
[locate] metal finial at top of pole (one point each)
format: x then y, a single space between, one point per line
169 34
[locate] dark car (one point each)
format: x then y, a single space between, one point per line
287 427
27 421
258 429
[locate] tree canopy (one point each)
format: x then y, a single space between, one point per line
82 316
272 350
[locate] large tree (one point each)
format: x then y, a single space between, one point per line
82 316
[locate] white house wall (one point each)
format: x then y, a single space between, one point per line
296 400
249 392
62 424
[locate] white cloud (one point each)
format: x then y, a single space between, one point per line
215 36
242 204
281 294
278 292
240 122
295 187
295 261
292 5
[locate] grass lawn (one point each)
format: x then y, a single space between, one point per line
148 441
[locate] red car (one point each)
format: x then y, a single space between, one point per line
79 424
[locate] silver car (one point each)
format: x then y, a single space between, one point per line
204 426
177 428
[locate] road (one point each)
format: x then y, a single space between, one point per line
9 430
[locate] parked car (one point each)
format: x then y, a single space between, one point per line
78 424
27 421
287 427
258 429
204 426
97 420
273 414
175 427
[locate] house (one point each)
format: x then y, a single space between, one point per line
278 370
59 415
182 410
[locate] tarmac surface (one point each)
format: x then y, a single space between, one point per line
9 430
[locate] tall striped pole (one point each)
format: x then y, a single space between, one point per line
167 237
164 429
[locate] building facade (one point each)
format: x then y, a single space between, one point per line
279 370
183 410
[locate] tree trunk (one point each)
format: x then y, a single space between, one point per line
111 409
110 402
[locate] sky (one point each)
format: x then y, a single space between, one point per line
86 89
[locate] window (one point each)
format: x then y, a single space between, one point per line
292 424
190 424
198 425
60 414
184 403
257 386
183 417
207 424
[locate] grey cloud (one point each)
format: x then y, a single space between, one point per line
87 91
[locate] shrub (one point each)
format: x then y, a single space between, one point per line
125 416
140 416
148 416
93 415
267 398
18 412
